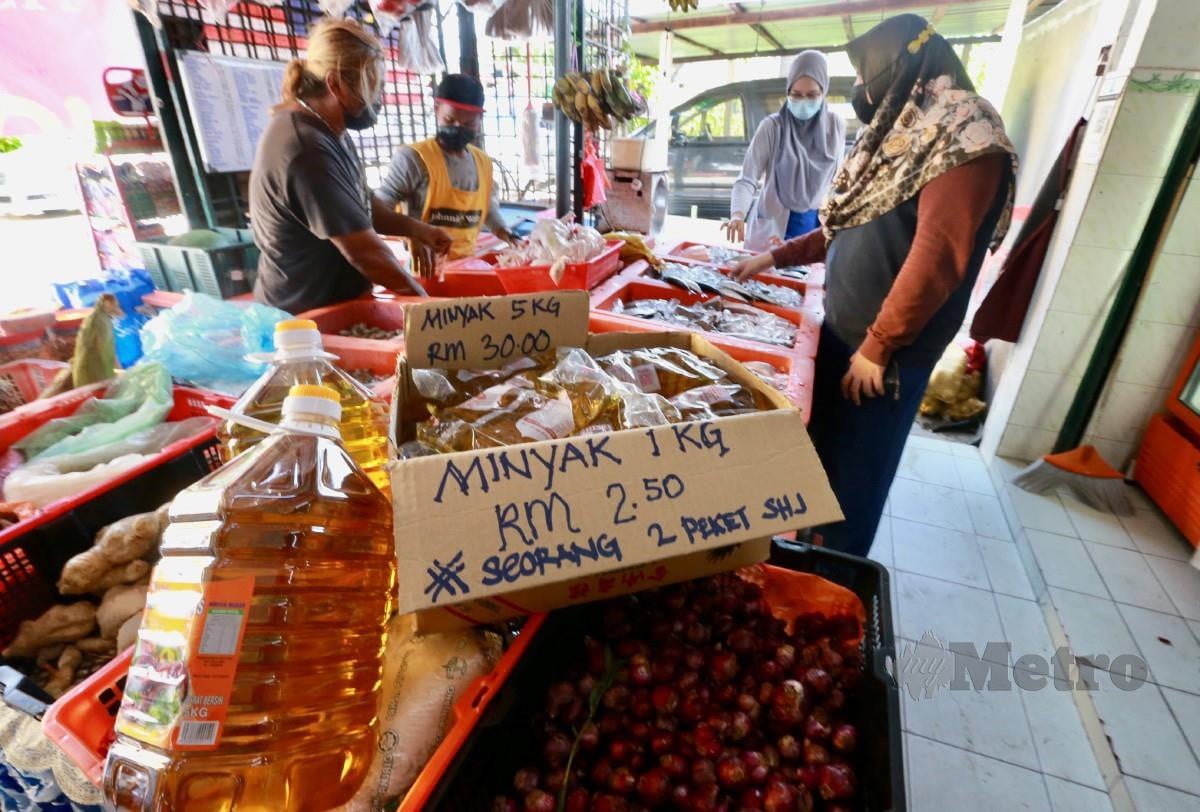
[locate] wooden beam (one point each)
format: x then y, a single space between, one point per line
835 9
823 48
694 44
758 28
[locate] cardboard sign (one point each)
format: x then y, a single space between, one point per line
482 523
596 587
490 331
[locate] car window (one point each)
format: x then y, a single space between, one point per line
714 120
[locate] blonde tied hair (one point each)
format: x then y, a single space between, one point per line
342 47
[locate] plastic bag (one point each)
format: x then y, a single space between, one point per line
335 8
595 179
136 401
423 678
521 19
206 340
41 485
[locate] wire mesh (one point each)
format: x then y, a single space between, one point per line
279 33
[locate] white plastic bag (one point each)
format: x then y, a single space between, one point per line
335 8
423 678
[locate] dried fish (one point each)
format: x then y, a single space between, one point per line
729 318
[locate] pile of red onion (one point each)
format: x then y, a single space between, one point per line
695 697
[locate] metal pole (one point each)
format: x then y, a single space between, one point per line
468 43
192 189
563 176
577 164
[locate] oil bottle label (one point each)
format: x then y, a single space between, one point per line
182 673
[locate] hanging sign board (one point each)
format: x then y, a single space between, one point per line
230 101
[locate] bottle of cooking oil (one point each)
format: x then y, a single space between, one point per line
300 359
256 672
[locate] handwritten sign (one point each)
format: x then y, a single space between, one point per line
491 331
489 522
608 584
230 102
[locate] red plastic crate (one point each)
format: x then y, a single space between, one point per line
188 403
808 325
380 358
577 276
387 314
81 721
31 375
17 346
678 253
799 370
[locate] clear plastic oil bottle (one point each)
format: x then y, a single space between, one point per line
255 677
300 359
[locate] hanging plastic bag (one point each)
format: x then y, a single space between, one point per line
595 178
206 340
149 9
421 23
136 401
49 479
217 10
389 13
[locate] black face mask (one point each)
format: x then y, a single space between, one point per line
455 138
364 119
864 109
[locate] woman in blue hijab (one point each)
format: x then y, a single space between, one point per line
797 151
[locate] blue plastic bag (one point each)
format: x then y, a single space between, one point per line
205 341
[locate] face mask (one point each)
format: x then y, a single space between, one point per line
364 119
455 138
804 109
864 109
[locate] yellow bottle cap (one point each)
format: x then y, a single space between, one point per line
295 324
306 390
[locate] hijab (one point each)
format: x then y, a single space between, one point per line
808 151
928 120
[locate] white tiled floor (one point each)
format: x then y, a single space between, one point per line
970 558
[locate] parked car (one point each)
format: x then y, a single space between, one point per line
711 132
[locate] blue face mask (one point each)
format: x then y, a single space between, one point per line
804 109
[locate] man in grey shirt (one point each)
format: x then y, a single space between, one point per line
445 181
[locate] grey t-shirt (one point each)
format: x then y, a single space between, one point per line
407 182
306 186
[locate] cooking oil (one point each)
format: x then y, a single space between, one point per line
300 359
255 677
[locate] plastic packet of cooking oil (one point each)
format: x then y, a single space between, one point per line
715 400
590 390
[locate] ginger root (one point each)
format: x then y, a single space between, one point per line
129 573
59 624
120 603
127 634
96 645
64 674
120 543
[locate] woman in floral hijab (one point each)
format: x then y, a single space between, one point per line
923 195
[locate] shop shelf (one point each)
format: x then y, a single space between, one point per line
808 324
15 564
31 375
491 736
798 369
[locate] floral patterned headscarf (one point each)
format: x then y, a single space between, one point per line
929 121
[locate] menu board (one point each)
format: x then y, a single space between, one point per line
230 100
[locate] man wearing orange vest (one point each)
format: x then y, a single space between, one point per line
445 181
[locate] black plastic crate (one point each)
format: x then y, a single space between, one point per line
31 563
503 739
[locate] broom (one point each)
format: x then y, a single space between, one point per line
1080 469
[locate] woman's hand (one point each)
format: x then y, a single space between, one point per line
735 229
753 266
864 377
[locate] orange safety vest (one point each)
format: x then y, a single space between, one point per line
458 213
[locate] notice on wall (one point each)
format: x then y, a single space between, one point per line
230 101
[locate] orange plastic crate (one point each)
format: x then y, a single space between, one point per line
387 314
576 276
379 358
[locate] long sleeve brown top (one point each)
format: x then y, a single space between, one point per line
950 211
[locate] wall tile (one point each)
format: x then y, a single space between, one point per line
1184 236
1125 409
1116 210
1172 294
1143 110
1025 444
1117 453
1066 342
1089 278
1172 36
1043 400
1152 352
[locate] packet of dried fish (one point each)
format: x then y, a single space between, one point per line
773 294
801 272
